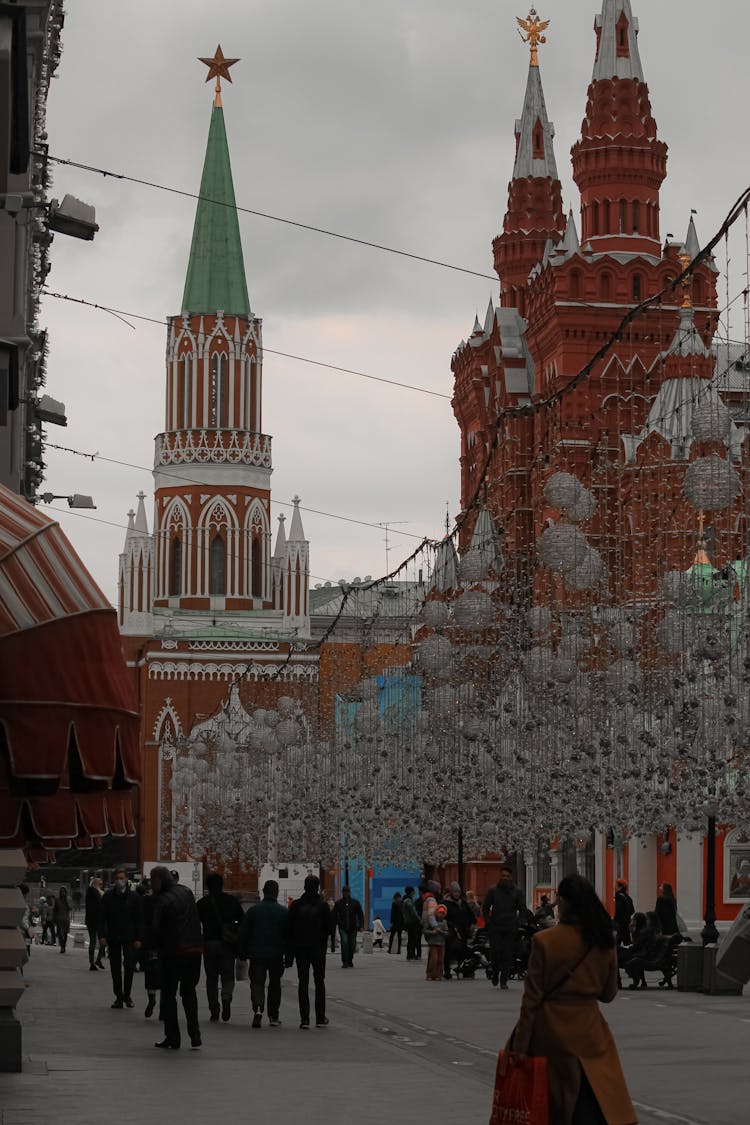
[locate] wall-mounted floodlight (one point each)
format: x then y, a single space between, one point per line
77 500
48 409
73 217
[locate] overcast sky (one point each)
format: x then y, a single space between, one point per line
390 121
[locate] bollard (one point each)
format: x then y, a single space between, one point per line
12 957
79 938
367 942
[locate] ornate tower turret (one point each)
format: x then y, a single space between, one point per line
619 164
135 585
212 467
535 212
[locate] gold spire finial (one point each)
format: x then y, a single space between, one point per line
218 68
533 27
687 285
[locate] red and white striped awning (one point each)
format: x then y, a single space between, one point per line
68 717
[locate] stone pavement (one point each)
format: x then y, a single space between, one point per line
398 1050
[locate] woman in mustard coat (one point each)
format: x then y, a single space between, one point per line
572 967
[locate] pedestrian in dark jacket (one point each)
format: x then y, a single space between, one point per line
92 919
350 919
460 919
624 911
176 929
412 925
310 923
61 912
666 911
121 931
220 914
397 923
152 977
502 909
263 941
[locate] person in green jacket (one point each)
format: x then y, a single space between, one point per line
262 941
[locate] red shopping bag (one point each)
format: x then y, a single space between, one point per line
521 1091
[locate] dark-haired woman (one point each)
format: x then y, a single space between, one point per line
572 967
61 912
666 911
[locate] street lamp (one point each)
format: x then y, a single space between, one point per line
77 500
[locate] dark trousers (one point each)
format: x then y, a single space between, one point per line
218 961
395 934
348 939
316 960
413 943
94 947
587 1110
180 971
260 968
121 957
503 954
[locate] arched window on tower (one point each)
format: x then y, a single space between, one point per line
220 391
575 284
256 567
623 216
636 216
594 219
217 568
637 287
187 392
623 45
605 287
175 568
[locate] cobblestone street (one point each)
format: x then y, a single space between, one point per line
395 1046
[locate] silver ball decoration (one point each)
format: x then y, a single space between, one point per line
711 483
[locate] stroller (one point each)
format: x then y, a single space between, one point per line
474 956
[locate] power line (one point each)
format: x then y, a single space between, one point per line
167 469
108 174
121 314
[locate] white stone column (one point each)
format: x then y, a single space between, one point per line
530 880
689 889
642 866
600 853
554 855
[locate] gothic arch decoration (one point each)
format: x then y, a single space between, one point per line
737 867
174 544
218 523
256 551
167 725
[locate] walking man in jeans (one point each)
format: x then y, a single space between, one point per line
220 916
121 931
350 920
310 927
176 934
262 940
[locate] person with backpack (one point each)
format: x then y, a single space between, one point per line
220 914
310 925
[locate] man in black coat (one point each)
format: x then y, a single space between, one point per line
624 911
310 924
502 909
92 919
349 917
220 915
176 933
121 931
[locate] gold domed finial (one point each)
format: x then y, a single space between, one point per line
218 68
534 28
701 555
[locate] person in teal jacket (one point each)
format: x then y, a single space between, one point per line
262 941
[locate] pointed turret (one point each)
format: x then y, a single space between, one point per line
617 52
619 164
216 269
534 214
136 573
297 576
692 242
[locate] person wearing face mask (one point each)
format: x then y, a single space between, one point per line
121 931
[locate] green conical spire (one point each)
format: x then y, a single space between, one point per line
216 270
